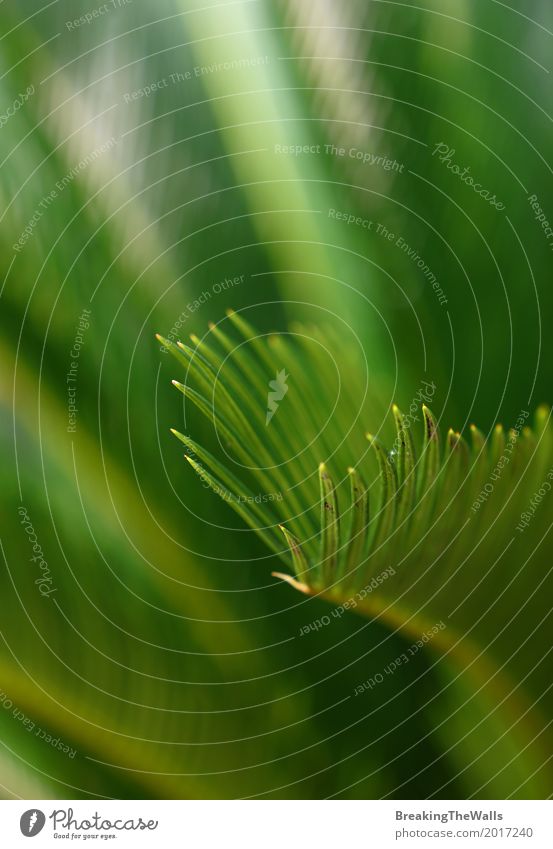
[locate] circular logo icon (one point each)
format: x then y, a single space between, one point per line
32 822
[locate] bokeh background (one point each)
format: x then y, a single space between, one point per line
154 155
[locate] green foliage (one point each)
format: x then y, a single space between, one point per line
167 658
414 533
419 499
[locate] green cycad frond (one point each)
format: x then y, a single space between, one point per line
402 525
335 500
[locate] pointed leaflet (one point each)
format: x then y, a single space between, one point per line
207 378
455 473
427 479
385 515
299 561
405 462
241 494
358 529
232 438
478 440
430 457
330 526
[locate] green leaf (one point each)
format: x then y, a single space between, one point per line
330 527
430 552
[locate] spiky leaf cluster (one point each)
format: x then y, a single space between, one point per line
420 499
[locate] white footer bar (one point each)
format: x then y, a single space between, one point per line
278 824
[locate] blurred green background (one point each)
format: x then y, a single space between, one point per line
146 164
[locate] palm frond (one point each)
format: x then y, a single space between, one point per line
399 524
419 499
